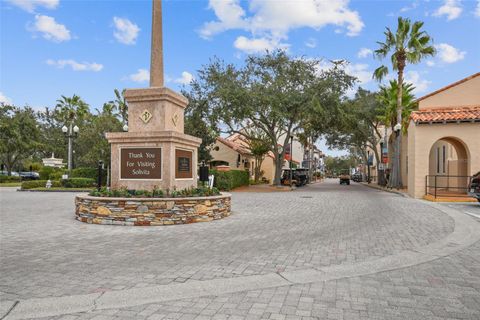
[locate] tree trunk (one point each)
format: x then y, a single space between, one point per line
258 167
396 174
278 169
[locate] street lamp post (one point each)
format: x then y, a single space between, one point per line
70 133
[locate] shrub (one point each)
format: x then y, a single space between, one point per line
78 183
51 173
228 180
87 172
4 179
32 184
156 193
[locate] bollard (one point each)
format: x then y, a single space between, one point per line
99 178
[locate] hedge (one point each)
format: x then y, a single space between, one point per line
66 183
51 173
78 183
228 180
4 179
32 184
92 173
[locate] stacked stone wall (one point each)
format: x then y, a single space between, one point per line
151 211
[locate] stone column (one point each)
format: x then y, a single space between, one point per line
156 62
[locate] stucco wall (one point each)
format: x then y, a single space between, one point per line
268 168
464 94
225 153
422 137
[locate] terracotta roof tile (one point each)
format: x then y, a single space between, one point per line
452 114
235 146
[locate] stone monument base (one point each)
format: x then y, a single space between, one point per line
155 152
169 145
151 211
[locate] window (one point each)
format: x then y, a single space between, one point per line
443 159
438 160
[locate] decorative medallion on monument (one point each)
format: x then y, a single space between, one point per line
146 116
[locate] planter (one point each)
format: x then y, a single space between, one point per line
151 211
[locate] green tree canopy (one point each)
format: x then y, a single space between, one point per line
272 93
19 135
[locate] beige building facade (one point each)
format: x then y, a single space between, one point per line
442 148
234 152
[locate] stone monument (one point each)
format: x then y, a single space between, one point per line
154 152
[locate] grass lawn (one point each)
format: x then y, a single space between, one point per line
10 184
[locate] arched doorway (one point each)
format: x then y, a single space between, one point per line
448 168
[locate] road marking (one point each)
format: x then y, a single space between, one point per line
473 214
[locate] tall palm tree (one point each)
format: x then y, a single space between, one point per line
121 105
387 96
408 45
72 108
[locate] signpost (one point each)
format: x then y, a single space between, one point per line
183 164
141 163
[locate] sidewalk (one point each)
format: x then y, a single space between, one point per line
402 192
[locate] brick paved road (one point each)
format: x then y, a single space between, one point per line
44 252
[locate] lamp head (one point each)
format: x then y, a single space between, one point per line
397 127
125 127
76 129
64 129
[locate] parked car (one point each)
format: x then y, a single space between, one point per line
474 186
344 177
302 175
27 175
5 173
357 177
298 178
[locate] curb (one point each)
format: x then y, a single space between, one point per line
405 195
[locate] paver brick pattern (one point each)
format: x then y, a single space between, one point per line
447 288
45 252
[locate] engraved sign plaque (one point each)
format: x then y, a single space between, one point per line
183 164
141 163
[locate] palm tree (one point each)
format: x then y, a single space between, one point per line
408 45
387 96
72 108
121 105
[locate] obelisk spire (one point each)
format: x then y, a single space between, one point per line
156 62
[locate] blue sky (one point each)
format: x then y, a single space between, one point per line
50 48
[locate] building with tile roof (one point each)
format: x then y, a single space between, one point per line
442 147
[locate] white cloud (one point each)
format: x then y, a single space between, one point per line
258 45
186 78
230 16
420 84
126 32
450 8
4 99
311 43
31 5
477 9
50 29
142 75
430 63
76 66
359 71
412 6
272 20
364 53
449 54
